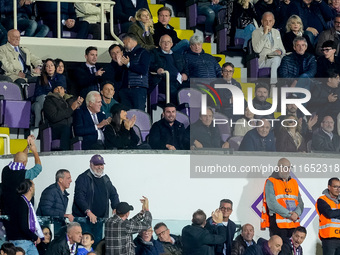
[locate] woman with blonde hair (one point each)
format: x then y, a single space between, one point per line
289 138
143 29
294 28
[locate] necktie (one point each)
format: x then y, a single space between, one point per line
93 68
21 58
95 120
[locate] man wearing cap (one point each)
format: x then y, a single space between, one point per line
92 193
58 110
119 230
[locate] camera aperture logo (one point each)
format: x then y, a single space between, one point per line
238 103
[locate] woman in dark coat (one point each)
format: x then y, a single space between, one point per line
119 133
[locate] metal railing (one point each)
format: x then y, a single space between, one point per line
102 15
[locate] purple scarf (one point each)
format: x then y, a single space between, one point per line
16 166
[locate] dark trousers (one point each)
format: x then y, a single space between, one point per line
133 98
62 132
331 246
275 230
94 29
80 27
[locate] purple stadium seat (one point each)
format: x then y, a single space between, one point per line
193 19
192 97
15 111
143 121
235 141
224 128
184 119
138 133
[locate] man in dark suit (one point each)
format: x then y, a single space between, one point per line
324 139
200 241
48 13
229 227
88 76
125 11
89 122
66 244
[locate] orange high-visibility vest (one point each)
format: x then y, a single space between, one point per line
328 228
285 193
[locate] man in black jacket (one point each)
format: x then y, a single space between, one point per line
263 247
244 240
66 244
172 244
199 241
167 133
293 245
324 139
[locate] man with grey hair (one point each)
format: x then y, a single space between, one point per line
201 64
267 42
54 199
66 244
299 66
89 121
91 198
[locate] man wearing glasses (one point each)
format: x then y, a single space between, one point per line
226 207
330 34
327 206
172 244
328 60
282 203
324 139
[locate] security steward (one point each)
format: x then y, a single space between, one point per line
328 208
282 203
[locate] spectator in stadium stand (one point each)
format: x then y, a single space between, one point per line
294 28
299 67
242 125
91 13
162 27
24 229
172 244
119 229
324 100
89 122
199 63
203 134
125 11
68 19
229 227
145 244
266 41
163 58
17 61
143 29
198 240
328 60
243 240
58 110
92 193
7 248
15 173
45 243
289 138
259 139
135 62
263 247
54 199
89 75
332 34
314 15
292 245
324 139
107 92
282 202
114 69
327 207
167 133
61 68
66 244
260 100
3 35
20 251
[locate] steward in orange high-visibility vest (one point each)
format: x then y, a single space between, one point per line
328 209
281 199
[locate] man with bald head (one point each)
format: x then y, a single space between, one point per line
244 240
324 139
14 173
282 202
165 59
270 247
17 60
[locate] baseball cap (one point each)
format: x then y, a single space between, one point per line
123 208
97 160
